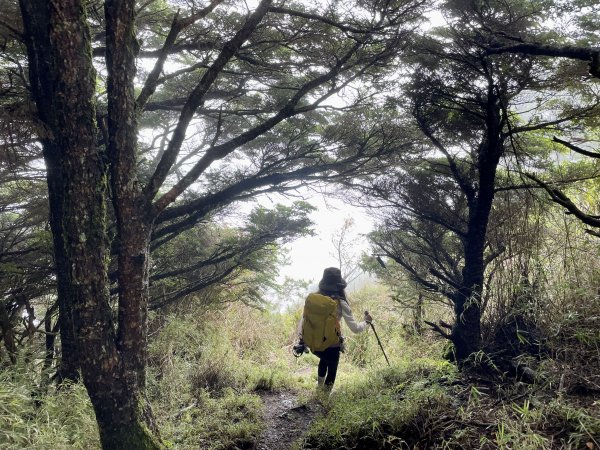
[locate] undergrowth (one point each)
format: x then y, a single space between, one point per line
428 404
424 402
389 408
230 421
207 371
61 419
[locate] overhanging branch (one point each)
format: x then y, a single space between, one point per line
560 198
197 97
591 55
220 151
576 149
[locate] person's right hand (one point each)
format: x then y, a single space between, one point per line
368 317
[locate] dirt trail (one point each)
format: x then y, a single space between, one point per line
286 420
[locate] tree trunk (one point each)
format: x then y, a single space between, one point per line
69 361
8 335
131 209
466 332
36 19
63 83
121 416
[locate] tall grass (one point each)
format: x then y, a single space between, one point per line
60 419
397 407
208 369
422 401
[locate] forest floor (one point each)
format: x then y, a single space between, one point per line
287 418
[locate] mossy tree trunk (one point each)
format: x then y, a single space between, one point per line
63 86
112 359
132 210
37 21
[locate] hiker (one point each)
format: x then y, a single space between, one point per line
324 310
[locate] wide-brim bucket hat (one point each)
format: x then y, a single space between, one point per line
332 280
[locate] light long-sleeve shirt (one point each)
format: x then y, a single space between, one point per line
343 311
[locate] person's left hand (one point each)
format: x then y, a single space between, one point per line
368 317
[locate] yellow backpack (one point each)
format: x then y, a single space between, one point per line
320 328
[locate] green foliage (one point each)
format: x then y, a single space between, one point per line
206 370
386 409
223 264
26 278
201 363
391 323
61 419
555 424
230 421
198 387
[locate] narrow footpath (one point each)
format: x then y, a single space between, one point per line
286 420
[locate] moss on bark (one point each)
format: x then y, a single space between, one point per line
136 436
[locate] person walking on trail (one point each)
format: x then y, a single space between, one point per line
319 329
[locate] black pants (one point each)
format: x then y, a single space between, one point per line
328 364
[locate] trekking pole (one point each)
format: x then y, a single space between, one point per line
378 341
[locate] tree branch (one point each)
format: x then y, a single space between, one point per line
540 126
196 98
311 16
560 198
444 278
176 27
220 151
174 49
590 55
438 329
412 272
458 176
576 148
